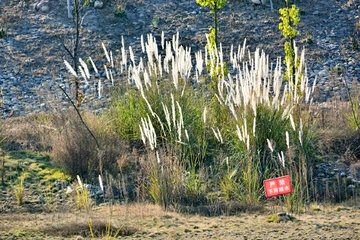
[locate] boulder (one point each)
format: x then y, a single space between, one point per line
98 4
43 6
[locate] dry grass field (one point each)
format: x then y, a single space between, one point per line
147 221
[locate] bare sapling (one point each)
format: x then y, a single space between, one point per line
73 51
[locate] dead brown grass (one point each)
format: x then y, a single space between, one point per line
31 132
99 228
76 151
336 139
147 221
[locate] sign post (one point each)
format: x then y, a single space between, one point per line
278 186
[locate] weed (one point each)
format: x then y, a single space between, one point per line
354 43
309 39
19 190
2 33
82 198
89 65
275 218
155 21
119 12
108 233
315 208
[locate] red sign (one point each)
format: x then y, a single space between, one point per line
277 186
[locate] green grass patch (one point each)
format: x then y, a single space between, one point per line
34 167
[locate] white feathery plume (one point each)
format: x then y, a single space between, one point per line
219 134
142 135
248 143
180 114
183 91
93 64
158 158
80 183
301 131
206 56
111 76
292 122
148 104
111 59
99 88
287 139
106 53
285 113
83 74
180 124
175 73
69 67
281 158
123 53
215 133
101 183
269 145
167 116
162 39
173 111
132 55
238 132
142 44
84 66
199 62
149 131
147 79
186 134
160 66
107 73
254 127
204 115
232 109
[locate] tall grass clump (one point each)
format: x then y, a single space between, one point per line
19 190
82 199
171 184
255 118
270 132
164 103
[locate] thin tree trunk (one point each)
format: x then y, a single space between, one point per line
215 24
292 42
76 47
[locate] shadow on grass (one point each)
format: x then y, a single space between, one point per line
228 208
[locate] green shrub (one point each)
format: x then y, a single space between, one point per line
119 12
290 18
2 33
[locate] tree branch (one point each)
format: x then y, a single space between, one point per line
97 143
